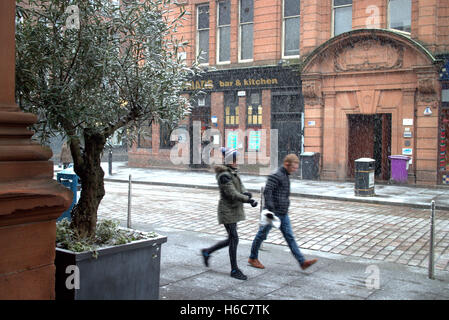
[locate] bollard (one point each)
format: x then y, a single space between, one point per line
262 202
110 161
129 203
432 240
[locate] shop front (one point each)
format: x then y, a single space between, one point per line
245 105
372 94
237 108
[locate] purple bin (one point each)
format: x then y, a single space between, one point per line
399 168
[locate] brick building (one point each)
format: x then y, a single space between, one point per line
345 79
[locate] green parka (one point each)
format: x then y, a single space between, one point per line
230 206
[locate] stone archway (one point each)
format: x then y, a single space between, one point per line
369 72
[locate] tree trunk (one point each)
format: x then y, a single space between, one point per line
84 214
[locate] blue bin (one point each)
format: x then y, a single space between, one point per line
69 179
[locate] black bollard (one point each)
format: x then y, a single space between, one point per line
110 161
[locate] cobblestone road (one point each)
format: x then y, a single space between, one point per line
379 232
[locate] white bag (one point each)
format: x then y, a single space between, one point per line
265 218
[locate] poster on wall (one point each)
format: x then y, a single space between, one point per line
232 139
254 140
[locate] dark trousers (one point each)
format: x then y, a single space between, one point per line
232 241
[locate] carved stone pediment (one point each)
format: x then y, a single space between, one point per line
365 54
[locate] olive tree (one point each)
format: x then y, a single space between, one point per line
93 68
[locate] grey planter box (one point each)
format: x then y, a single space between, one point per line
124 272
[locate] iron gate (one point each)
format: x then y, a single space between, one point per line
286 116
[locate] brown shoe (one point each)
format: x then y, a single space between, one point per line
308 263
256 263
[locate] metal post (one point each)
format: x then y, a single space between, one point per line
432 240
261 208
129 203
110 161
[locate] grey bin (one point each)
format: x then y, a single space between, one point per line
310 165
364 177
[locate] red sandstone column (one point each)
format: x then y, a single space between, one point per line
266 121
330 145
30 200
242 127
217 109
427 127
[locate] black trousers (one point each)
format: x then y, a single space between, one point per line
232 241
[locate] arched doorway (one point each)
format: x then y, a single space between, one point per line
365 93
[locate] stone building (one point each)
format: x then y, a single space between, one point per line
345 79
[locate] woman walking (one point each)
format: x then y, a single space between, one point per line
230 209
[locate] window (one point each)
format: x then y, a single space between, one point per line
342 15
400 15
231 107
145 137
445 95
224 31
165 133
291 28
202 48
254 109
246 29
201 100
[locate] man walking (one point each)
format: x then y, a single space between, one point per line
230 209
277 193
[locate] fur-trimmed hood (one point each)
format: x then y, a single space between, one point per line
222 168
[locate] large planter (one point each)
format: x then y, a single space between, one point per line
128 271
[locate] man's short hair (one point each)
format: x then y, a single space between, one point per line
291 158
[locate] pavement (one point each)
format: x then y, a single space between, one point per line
333 277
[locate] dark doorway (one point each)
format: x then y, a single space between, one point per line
370 137
286 113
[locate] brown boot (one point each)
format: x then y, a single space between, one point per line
256 263
308 263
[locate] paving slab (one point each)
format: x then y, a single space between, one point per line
333 277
